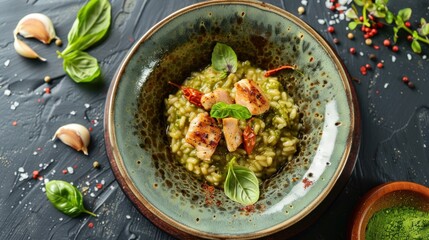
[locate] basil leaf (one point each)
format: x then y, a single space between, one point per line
241 184
81 66
223 110
91 24
415 46
224 58
66 198
405 14
352 25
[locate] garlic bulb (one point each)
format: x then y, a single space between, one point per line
36 25
75 136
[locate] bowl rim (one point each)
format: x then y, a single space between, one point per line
362 210
164 222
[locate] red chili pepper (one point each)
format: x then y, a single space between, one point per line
249 139
192 94
274 71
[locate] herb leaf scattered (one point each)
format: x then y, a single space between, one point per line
223 110
241 184
81 66
91 25
66 198
224 58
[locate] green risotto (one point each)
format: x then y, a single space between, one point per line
276 130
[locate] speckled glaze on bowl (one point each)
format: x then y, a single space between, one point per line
182 43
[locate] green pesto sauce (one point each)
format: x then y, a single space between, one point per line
398 223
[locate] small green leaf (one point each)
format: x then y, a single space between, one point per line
66 198
415 45
382 2
241 184
424 30
395 34
351 13
422 21
399 22
379 13
91 24
224 58
352 25
405 14
223 110
389 17
81 66
359 2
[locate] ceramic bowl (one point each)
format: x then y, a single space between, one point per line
269 37
387 195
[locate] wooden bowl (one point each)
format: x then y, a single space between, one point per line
399 193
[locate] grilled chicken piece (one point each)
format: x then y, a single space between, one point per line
232 133
218 95
250 95
204 135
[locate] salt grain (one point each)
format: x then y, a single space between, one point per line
409 56
386 85
23 176
14 105
92 195
7 92
424 57
6 63
87 105
128 216
393 59
321 21
73 113
43 189
70 170
21 170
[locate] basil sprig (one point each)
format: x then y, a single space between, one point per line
224 58
66 198
241 184
223 110
91 25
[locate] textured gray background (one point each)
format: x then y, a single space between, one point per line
395 121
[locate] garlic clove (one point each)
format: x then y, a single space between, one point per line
24 50
36 25
75 136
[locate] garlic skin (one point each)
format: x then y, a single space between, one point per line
24 50
75 136
36 25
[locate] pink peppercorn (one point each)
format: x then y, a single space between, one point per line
352 50
331 29
367 66
407 24
380 65
405 79
395 48
386 42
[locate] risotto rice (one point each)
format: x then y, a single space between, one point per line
276 130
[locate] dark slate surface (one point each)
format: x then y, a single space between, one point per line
395 119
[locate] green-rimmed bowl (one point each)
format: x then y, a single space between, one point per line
135 126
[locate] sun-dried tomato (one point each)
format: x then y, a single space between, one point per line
191 94
274 71
249 139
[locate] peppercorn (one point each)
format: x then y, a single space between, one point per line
410 38
407 24
380 65
35 174
47 79
336 40
405 79
367 66
96 164
395 48
386 42
372 56
58 42
331 29
376 47
368 41
411 85
301 10
350 35
352 50
363 69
